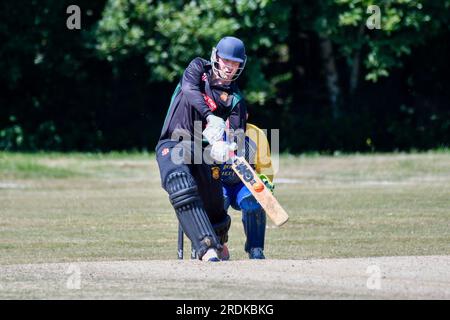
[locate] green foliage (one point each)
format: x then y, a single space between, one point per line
107 86
11 137
171 33
168 33
404 25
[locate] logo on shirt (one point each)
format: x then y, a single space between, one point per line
210 102
224 96
165 151
215 172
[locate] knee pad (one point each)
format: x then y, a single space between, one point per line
249 204
221 229
183 195
182 189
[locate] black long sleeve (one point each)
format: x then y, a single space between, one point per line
191 84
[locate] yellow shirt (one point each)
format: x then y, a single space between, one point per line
263 162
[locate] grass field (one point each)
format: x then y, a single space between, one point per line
81 208
84 207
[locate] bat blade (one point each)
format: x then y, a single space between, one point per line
263 195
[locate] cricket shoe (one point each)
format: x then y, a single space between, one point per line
225 254
256 253
211 255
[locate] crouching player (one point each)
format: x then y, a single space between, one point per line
236 194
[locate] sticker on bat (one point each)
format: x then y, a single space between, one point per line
246 173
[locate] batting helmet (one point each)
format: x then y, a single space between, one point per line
229 48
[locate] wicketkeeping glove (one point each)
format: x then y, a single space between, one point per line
267 182
215 129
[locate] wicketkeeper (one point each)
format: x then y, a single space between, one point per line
237 195
207 93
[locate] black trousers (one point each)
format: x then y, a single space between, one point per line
206 176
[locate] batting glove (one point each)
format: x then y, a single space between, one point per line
222 151
215 129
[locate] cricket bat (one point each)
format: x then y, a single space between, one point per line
259 190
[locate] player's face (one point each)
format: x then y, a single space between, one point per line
228 68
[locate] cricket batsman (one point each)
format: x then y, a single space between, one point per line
237 195
207 94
